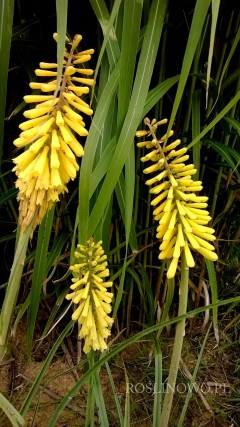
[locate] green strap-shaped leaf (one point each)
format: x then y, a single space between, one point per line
234 123
214 293
136 105
199 16
13 415
226 153
62 11
39 273
215 9
6 18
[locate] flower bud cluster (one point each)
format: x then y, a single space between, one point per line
50 134
91 296
181 213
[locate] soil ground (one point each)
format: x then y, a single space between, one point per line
212 404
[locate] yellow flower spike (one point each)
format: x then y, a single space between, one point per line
50 161
181 213
92 294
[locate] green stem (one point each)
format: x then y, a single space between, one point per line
177 347
13 287
89 421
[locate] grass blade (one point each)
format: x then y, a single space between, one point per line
62 11
214 293
6 19
110 38
192 382
139 94
215 11
115 395
97 390
157 384
199 16
90 150
39 273
196 105
216 119
13 415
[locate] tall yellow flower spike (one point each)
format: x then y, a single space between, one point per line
49 162
91 296
181 213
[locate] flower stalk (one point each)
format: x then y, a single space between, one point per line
182 228
13 285
177 346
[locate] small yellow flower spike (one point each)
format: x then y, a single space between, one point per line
91 296
181 213
49 162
